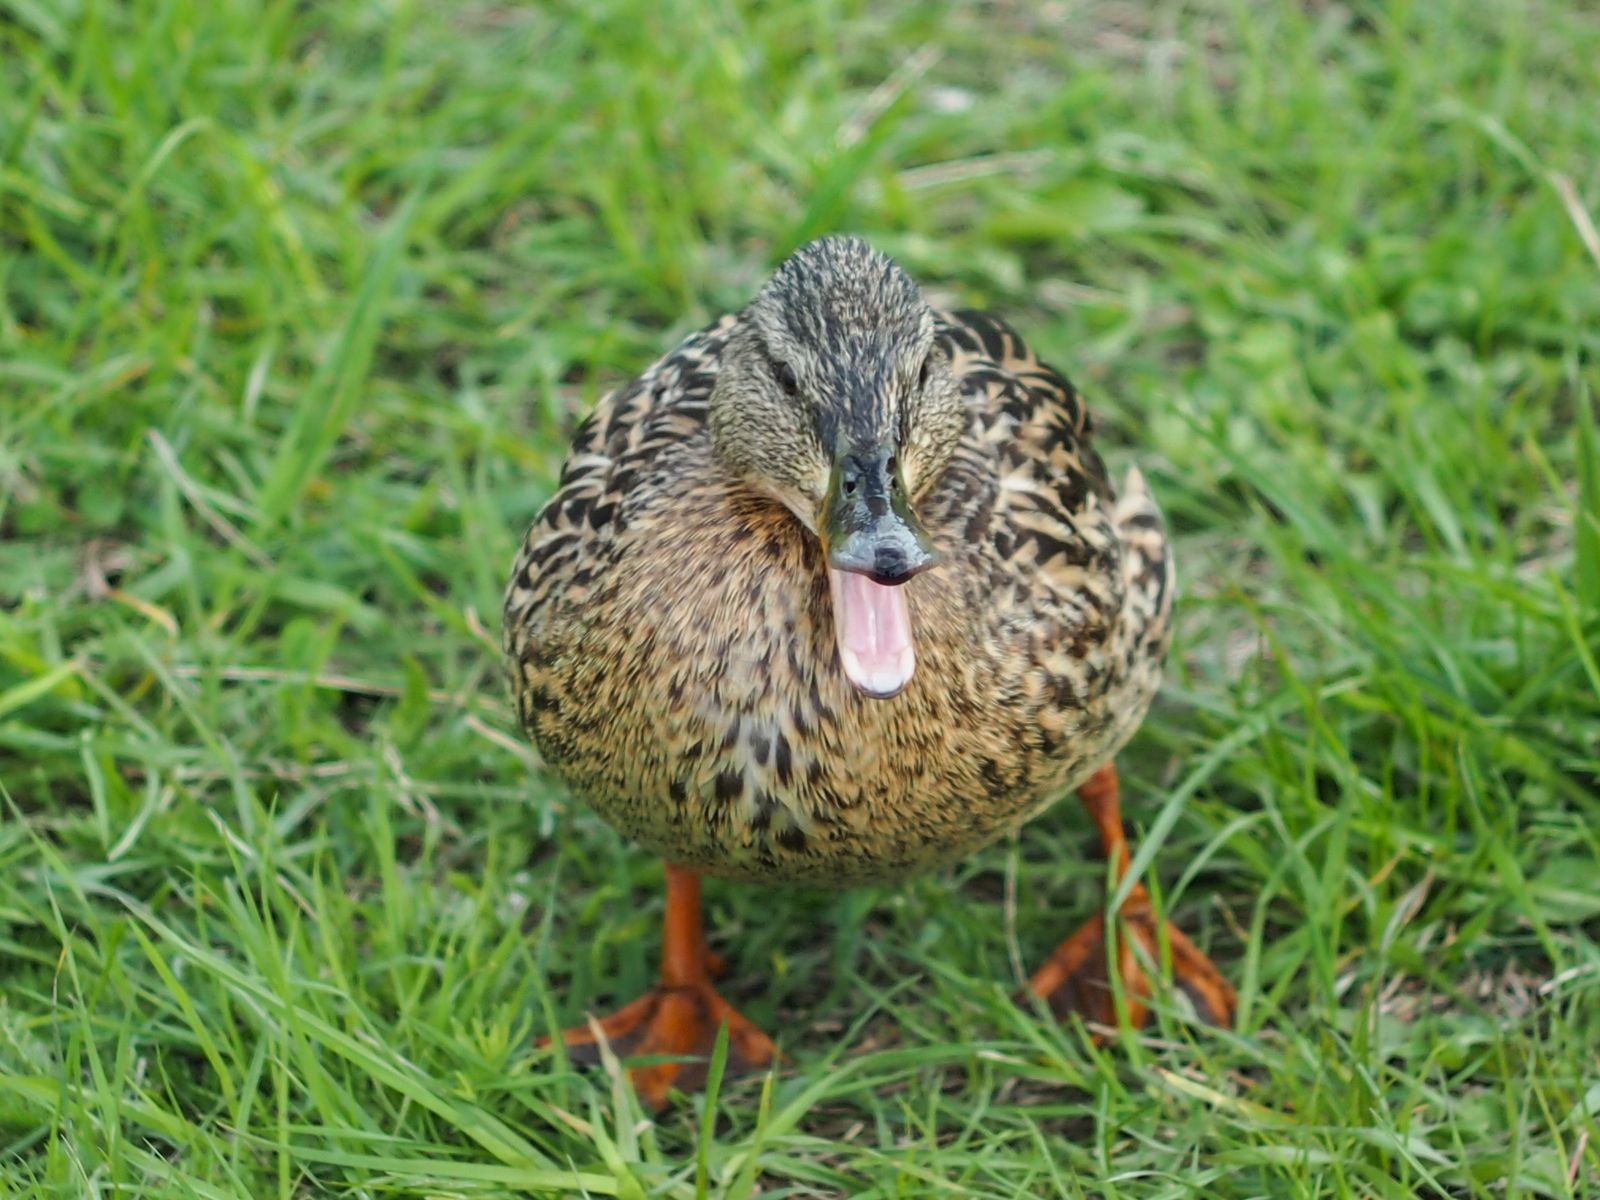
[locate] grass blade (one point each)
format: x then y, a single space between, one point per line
326 406
708 1119
1586 522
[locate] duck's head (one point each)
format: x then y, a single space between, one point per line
834 400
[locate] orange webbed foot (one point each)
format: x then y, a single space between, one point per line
1076 979
679 1022
680 1016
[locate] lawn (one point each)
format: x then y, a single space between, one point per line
298 305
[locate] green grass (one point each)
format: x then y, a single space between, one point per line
298 304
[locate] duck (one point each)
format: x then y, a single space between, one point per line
835 593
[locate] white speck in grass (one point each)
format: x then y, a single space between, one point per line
1550 986
996 1056
951 100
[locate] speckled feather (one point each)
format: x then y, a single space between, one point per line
671 645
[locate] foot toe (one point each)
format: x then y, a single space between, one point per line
1213 997
674 1023
1076 979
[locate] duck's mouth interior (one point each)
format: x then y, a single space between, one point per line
873 624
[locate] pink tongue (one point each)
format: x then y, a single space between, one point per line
874 630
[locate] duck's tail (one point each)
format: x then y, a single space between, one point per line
1148 571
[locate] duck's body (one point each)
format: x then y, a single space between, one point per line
836 592
672 630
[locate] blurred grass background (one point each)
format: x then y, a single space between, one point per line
298 304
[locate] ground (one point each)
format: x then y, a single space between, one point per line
298 304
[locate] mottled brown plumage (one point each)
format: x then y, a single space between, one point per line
669 624
670 631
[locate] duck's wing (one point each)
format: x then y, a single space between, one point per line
1035 502
1047 511
613 455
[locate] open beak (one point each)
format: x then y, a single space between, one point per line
874 544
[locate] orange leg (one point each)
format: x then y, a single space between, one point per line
681 1014
1075 978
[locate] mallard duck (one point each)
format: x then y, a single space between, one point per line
836 592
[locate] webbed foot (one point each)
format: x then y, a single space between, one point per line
1075 978
681 1015
680 1022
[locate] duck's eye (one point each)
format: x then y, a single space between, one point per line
922 375
787 379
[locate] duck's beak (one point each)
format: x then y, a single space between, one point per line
874 544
